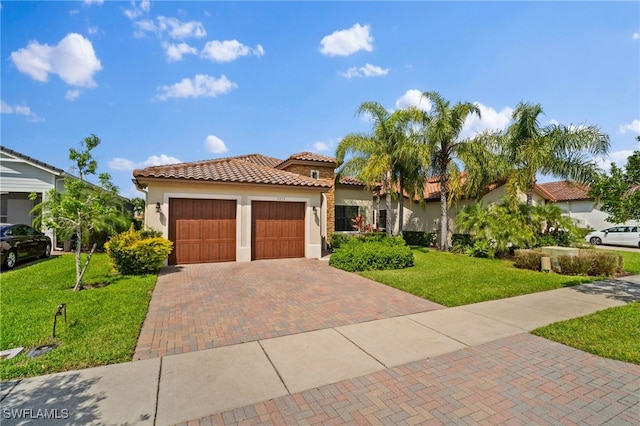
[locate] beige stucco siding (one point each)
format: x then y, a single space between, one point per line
346 196
244 195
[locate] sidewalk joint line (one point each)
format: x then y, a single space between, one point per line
362 349
274 367
155 415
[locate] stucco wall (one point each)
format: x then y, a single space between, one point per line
587 215
354 196
243 194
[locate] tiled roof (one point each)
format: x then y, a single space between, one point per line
32 160
311 156
350 180
253 169
260 159
566 190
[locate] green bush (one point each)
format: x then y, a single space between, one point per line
574 265
559 238
482 248
464 240
419 238
528 259
138 252
337 239
358 255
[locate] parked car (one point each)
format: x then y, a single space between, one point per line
616 235
19 241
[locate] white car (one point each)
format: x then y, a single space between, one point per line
616 235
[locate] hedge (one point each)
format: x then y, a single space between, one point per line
138 252
359 255
419 238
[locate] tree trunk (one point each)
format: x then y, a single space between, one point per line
444 220
78 285
401 212
388 203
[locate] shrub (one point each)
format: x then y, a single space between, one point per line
559 238
574 265
464 240
138 252
528 259
419 238
482 248
359 255
337 239
605 264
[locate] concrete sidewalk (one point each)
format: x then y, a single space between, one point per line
195 385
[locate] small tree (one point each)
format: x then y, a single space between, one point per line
82 207
619 193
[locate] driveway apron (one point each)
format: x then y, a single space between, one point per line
204 306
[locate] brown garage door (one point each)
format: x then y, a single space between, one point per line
202 230
277 230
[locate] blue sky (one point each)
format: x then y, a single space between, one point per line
185 81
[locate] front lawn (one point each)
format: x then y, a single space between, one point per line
102 326
611 333
454 280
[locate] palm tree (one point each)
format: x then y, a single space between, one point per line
442 127
562 151
379 157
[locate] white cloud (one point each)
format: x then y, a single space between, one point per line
228 50
123 164
636 36
200 86
72 59
346 42
214 144
25 111
618 157
92 30
491 120
413 97
367 71
175 28
137 10
90 2
634 127
72 95
175 52
320 146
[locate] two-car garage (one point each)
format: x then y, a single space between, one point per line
205 230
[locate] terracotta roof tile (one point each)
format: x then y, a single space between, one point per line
245 169
566 190
350 180
312 156
263 160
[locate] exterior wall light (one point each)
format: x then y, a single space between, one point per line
158 207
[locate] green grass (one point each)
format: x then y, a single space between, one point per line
454 280
611 333
631 261
102 326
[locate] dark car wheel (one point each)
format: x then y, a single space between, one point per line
47 251
595 240
10 260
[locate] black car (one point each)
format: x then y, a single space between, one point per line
18 242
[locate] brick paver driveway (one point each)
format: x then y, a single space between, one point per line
204 306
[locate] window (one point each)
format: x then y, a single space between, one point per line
344 216
382 220
315 174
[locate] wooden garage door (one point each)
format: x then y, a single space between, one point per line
277 230
202 230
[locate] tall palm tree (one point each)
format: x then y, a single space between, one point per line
558 150
379 157
442 126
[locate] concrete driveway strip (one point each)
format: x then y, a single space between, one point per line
317 358
464 326
397 341
113 394
198 383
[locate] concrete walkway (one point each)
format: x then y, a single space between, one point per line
468 365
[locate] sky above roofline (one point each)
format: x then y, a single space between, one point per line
163 82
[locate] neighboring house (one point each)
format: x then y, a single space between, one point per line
574 200
20 175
